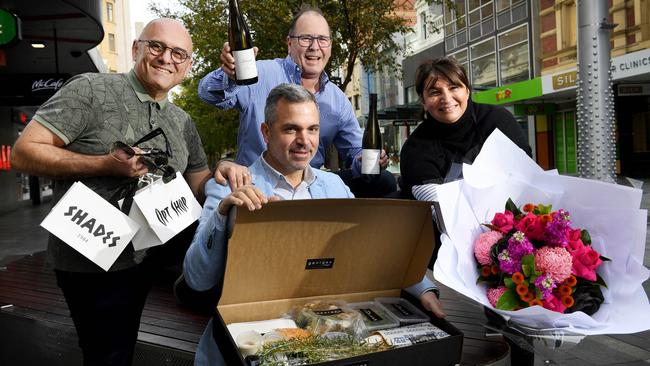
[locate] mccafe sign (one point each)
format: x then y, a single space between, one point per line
31 85
51 84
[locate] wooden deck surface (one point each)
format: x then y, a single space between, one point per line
37 329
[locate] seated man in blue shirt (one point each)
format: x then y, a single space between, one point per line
309 45
282 172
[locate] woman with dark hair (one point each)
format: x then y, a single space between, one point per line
452 131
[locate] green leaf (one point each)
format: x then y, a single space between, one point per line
586 238
510 206
543 210
508 301
528 265
600 281
491 227
508 282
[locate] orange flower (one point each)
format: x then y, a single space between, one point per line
517 278
565 290
567 301
535 302
494 269
546 218
485 271
528 297
522 289
571 281
529 207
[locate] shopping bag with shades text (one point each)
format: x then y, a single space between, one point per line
168 208
89 224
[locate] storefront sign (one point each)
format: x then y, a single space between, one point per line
510 93
565 80
623 67
633 89
631 64
32 85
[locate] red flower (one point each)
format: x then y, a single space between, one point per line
532 226
575 240
554 304
585 262
504 221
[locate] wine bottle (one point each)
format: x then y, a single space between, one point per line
371 143
241 46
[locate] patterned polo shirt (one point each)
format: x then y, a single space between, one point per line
90 113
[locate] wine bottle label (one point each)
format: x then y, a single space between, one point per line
245 67
370 161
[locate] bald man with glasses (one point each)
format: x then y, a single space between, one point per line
309 44
106 130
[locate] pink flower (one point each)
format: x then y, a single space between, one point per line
532 226
556 262
585 262
503 221
483 245
575 240
494 294
554 304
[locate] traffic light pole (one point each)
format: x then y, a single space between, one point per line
595 98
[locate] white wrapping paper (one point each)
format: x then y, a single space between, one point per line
609 212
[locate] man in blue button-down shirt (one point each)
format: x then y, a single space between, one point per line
309 46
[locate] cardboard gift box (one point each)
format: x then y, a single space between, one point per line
294 252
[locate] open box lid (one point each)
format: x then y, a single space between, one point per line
305 248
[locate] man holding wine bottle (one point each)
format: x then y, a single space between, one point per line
309 46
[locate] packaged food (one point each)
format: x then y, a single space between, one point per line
408 335
320 317
403 310
375 316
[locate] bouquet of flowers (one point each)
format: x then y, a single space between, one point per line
533 257
617 230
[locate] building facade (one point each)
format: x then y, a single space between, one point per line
115 48
548 100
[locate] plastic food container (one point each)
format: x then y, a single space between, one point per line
403 310
375 316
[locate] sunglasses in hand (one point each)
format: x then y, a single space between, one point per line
153 158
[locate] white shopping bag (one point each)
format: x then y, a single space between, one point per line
164 210
91 225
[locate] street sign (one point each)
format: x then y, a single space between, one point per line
9 28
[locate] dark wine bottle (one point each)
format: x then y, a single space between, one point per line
371 143
241 46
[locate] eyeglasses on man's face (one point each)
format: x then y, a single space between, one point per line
306 40
157 48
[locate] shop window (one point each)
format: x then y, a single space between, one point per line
483 64
565 142
513 55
